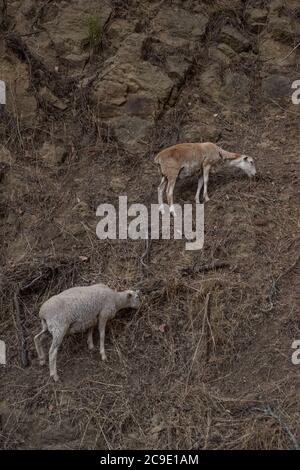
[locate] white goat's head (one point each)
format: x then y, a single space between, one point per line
246 164
133 298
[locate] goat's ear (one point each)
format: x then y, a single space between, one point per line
129 295
245 158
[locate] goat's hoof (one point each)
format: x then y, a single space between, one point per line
90 347
103 358
42 362
206 199
172 211
55 377
161 209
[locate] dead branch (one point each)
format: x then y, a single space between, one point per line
39 13
146 254
208 321
19 316
3 13
204 322
203 268
269 412
288 55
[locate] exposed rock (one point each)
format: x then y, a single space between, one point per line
216 55
3 7
276 5
227 50
236 88
132 91
179 33
233 38
211 83
132 131
175 61
149 85
50 98
277 86
144 63
64 30
19 101
256 18
283 28
277 53
119 30
52 154
69 28
77 60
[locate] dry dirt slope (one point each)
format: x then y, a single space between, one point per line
206 362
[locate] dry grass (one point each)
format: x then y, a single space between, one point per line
206 361
191 368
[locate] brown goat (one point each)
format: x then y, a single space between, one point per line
184 160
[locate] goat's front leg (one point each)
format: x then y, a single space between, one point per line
102 325
90 341
205 179
200 184
170 191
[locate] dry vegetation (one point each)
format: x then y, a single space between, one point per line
206 361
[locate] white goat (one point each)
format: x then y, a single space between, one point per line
79 309
184 160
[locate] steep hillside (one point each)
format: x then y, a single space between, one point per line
94 89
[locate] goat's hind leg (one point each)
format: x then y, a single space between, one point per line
56 342
205 180
160 190
170 191
38 340
90 341
102 326
200 184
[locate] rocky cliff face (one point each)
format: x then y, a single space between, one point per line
148 52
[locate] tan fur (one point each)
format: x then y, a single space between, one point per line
189 159
175 158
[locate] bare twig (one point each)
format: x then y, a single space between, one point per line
288 55
146 253
269 412
205 267
24 358
206 307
